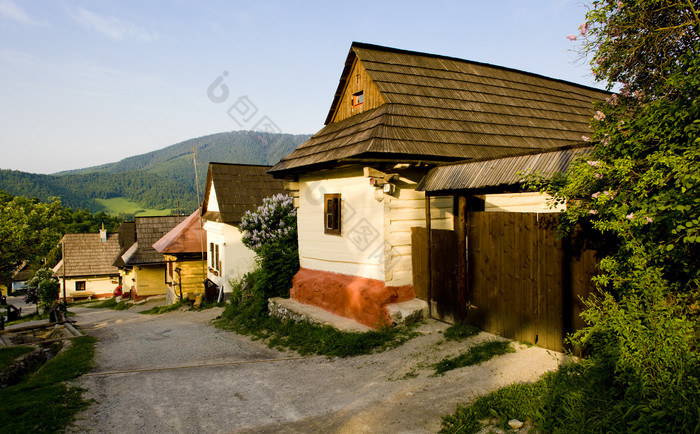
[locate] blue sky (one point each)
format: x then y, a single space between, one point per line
91 82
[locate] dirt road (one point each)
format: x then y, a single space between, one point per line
175 373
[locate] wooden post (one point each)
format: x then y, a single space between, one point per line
461 229
430 249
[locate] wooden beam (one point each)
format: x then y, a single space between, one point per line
461 229
430 250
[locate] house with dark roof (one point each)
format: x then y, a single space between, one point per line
143 271
396 115
231 191
86 269
184 249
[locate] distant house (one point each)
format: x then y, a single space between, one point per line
395 115
21 276
185 252
143 270
86 267
231 190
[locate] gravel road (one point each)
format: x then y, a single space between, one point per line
174 373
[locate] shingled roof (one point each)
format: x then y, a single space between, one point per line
86 255
437 108
498 172
238 188
148 231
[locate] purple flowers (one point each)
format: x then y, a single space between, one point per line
273 222
599 115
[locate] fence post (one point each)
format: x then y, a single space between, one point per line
461 230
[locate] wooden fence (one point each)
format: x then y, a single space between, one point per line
522 282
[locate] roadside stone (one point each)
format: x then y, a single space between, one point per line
515 424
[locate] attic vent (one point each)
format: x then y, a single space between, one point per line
358 98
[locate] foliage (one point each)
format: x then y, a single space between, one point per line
44 403
460 331
249 316
474 355
271 231
42 288
640 188
28 230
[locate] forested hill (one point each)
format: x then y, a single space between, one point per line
157 179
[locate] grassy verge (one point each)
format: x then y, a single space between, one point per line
10 354
578 397
460 331
474 355
156 310
43 403
251 318
110 303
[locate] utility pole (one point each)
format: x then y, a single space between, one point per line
63 258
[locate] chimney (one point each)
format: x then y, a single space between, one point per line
103 234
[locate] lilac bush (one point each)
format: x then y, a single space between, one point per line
273 223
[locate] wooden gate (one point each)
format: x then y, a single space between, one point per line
436 278
522 282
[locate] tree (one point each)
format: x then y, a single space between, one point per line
42 288
640 187
28 229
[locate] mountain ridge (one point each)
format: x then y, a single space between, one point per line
157 179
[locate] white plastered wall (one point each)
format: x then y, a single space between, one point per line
375 239
95 285
236 259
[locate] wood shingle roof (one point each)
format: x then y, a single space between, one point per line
239 188
86 255
148 231
439 108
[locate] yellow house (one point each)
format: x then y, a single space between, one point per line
184 250
86 269
143 270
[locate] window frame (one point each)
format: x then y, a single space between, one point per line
80 283
332 207
358 98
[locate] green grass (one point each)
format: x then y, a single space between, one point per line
26 318
42 402
156 310
474 355
108 303
460 331
10 354
251 318
120 205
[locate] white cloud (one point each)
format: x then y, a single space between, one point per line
11 11
113 27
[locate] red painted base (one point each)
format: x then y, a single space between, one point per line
359 298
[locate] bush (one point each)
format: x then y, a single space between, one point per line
271 232
43 288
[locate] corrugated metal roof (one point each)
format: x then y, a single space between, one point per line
186 237
239 188
497 172
441 108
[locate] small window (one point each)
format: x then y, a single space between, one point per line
358 98
211 255
80 285
331 213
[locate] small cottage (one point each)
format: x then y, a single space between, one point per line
86 267
143 271
396 115
184 249
231 190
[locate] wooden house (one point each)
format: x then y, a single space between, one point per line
86 267
143 272
184 249
395 115
231 190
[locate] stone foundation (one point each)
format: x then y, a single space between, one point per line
362 299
